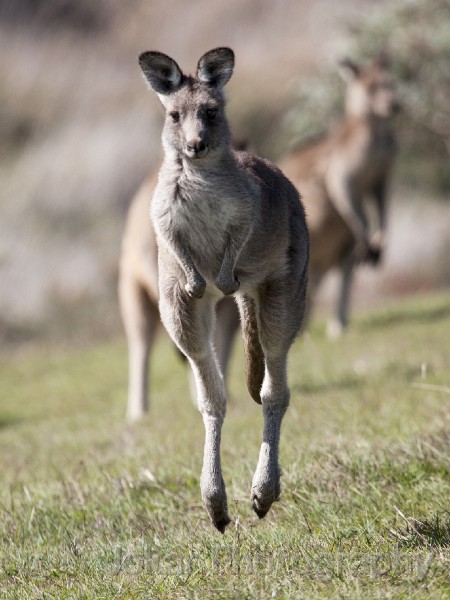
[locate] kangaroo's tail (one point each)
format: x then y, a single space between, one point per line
254 356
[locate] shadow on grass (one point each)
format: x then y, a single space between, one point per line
13 335
422 314
9 421
429 533
314 387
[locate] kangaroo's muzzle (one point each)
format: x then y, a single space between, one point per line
197 149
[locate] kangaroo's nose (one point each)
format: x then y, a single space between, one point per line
196 148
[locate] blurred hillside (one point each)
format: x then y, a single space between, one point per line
79 131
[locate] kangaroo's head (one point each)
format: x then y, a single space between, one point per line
370 90
195 126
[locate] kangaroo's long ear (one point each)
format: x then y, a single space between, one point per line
161 72
348 69
216 67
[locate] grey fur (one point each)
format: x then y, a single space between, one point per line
226 222
138 296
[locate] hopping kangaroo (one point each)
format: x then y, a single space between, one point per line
138 295
226 223
336 173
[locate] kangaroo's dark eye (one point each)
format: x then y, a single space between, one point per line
175 116
211 113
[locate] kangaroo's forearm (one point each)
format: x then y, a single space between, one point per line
195 283
351 211
380 193
226 280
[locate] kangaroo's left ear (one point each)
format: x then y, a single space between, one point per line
216 67
348 69
161 72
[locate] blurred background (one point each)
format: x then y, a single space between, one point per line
79 131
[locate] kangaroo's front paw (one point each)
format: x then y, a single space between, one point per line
361 251
375 254
228 286
196 288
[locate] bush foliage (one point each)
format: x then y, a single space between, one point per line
416 37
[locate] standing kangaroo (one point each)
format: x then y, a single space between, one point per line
336 173
226 223
138 295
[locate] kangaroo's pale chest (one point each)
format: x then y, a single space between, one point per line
200 218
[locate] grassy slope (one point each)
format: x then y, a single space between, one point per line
92 508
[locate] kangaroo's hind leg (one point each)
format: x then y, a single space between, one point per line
338 323
227 324
281 309
141 320
190 323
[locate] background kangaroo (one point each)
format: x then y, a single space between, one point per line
338 171
138 295
226 222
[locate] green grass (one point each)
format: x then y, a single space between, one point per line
92 508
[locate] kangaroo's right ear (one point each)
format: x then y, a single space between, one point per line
162 73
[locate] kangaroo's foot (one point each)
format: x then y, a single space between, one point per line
215 501
335 329
265 491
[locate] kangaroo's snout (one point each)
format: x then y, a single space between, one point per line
196 149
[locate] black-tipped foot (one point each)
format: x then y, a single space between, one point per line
221 523
261 512
263 501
